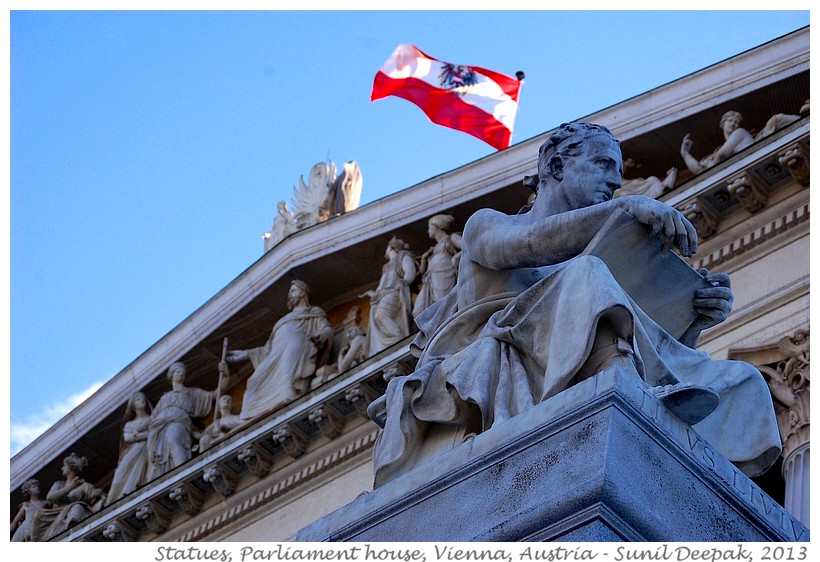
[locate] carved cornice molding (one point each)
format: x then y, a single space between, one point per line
281 487
756 237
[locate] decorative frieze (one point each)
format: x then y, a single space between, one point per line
702 217
257 461
748 192
796 159
188 497
291 440
328 421
223 481
154 516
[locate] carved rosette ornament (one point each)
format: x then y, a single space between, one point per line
223 482
797 163
702 218
751 196
188 498
789 381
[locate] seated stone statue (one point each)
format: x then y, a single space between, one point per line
284 365
224 422
353 350
532 315
390 304
21 524
737 138
73 499
780 120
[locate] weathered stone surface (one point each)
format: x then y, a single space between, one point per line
602 461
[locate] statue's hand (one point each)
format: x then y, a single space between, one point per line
668 224
686 144
713 304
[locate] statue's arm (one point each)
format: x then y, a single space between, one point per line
712 306
739 139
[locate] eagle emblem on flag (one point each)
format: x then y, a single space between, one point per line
457 78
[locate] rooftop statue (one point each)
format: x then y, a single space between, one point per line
283 366
652 186
324 196
21 524
224 422
170 431
390 303
73 499
737 138
439 264
780 120
535 311
133 467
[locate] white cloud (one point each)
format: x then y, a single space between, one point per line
25 431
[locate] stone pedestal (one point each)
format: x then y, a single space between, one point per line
602 461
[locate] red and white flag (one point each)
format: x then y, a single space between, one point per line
470 99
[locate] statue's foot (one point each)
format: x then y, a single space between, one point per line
689 402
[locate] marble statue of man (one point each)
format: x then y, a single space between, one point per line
284 365
736 138
532 314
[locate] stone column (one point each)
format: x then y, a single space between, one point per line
789 381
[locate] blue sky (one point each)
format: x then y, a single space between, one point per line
149 149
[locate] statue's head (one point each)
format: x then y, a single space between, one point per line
395 246
566 142
74 463
225 403
32 485
298 290
730 121
137 402
177 371
442 222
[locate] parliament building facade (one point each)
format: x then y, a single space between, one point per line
272 476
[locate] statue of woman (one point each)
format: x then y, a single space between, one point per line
390 303
439 264
73 499
170 431
21 524
132 468
737 138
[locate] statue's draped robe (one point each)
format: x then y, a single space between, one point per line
48 522
504 354
283 366
390 307
132 468
439 278
169 436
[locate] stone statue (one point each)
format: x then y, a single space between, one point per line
324 196
651 187
21 524
533 313
73 499
439 264
224 423
283 224
780 120
284 365
132 468
737 138
390 302
352 352
170 431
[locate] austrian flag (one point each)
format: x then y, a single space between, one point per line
470 99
